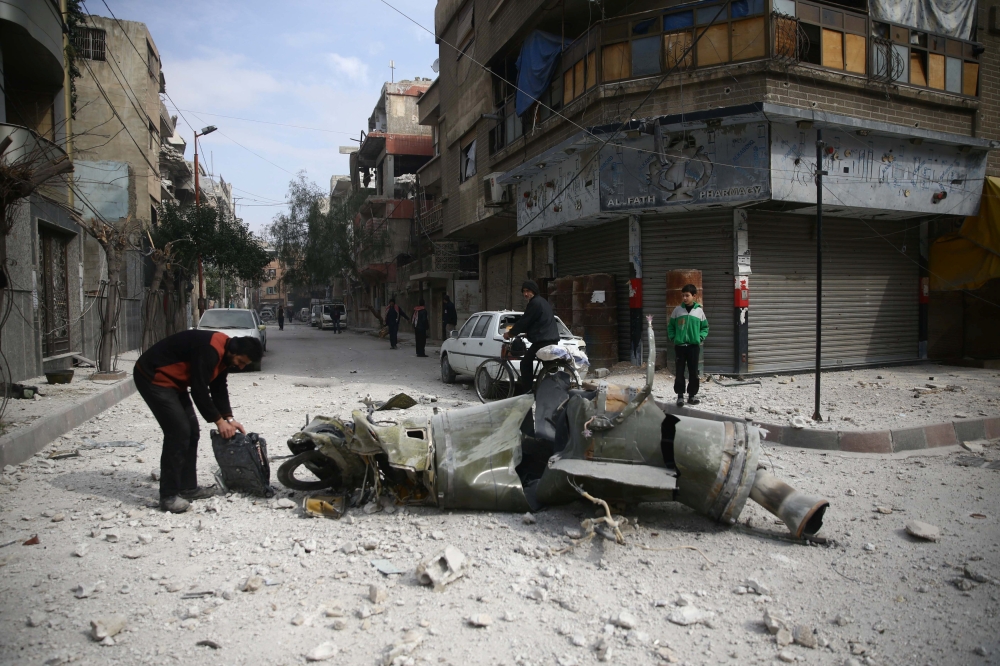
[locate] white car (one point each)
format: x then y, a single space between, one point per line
481 337
236 324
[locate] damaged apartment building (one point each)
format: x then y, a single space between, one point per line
663 142
407 257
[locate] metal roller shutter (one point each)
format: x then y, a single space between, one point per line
602 249
703 242
870 309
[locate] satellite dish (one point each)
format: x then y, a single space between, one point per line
436 65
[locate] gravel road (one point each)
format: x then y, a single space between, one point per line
264 584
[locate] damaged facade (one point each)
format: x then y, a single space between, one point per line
710 177
413 260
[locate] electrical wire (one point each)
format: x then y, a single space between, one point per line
267 122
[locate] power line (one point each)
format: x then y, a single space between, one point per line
267 122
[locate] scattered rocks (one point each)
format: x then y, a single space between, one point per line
783 637
774 622
37 619
252 584
786 657
805 636
84 590
975 574
843 620
755 586
81 550
922 530
480 620
377 594
106 626
975 446
285 503
322 652
442 568
625 620
298 620
603 650
688 615
349 548
529 519
397 652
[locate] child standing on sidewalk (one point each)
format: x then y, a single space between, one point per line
687 329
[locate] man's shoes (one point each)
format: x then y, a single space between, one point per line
422 356
680 401
201 492
693 400
174 504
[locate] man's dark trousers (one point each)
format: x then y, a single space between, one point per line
421 341
528 366
175 414
687 357
393 335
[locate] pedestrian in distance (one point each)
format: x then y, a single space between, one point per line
538 323
687 330
393 315
421 324
335 317
449 317
281 319
198 360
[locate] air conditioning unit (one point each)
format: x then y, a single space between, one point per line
497 194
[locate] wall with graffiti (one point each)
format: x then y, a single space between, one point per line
554 196
879 172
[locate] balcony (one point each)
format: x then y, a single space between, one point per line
812 34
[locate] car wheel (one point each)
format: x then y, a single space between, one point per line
447 374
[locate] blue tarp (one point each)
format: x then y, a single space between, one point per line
539 55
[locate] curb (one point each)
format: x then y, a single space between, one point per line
864 441
18 446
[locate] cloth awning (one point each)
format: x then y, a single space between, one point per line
970 258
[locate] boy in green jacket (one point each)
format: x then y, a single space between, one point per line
687 329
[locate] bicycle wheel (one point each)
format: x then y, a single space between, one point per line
494 380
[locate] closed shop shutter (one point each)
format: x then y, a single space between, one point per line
703 242
601 249
870 309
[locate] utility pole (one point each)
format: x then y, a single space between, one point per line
197 204
392 71
819 268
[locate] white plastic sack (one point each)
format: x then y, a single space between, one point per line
558 353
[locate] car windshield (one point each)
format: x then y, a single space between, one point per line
226 319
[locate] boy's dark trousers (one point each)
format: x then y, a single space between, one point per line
393 335
175 414
687 357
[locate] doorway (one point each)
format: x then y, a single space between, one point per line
53 303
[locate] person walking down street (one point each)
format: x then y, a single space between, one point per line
449 317
687 329
421 324
538 323
335 317
281 319
198 360
393 315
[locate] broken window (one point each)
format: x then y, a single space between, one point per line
90 44
466 28
468 162
152 62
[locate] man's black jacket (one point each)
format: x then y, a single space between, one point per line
537 322
448 313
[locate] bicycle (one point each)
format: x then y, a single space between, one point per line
496 378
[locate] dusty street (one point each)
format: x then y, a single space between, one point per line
871 595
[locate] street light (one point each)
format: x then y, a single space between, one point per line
197 203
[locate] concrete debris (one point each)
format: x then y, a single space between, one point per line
755 586
922 530
884 510
529 519
480 620
377 594
396 653
975 574
252 584
106 626
688 615
805 636
963 584
322 652
625 620
84 590
284 503
442 568
603 650
783 637
349 548
387 567
786 657
843 620
774 622
981 651
975 446
81 550
37 619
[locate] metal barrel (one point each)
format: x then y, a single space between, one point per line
676 279
561 298
595 315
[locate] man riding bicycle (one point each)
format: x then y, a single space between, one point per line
539 326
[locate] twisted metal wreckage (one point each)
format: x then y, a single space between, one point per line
605 442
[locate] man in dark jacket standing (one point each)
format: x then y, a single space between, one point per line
281 319
200 360
449 317
538 323
393 315
421 323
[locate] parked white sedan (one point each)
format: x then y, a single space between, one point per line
481 337
236 323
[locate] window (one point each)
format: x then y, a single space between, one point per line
152 136
469 325
271 291
482 326
436 138
90 43
837 39
468 162
152 62
271 273
466 28
579 77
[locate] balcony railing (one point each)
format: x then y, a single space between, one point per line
796 32
431 219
